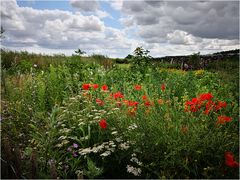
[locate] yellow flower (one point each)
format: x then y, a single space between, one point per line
199 72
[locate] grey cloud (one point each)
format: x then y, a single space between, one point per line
127 21
133 6
184 17
146 19
154 3
210 22
86 6
204 19
142 11
5 16
153 34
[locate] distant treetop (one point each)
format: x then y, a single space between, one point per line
235 51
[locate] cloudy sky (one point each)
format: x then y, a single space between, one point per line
116 28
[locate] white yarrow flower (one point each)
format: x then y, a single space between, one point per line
124 146
118 139
135 171
85 151
114 132
106 153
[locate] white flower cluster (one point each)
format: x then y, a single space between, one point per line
95 115
135 159
109 147
102 111
115 109
118 139
65 130
84 138
64 142
124 145
114 132
132 127
79 172
106 153
135 171
109 113
62 137
85 151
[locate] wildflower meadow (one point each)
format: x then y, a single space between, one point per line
75 120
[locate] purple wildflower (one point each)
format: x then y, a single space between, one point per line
69 149
75 154
75 145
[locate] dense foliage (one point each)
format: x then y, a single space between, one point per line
81 120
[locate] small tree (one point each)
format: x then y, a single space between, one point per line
139 51
194 60
140 60
80 52
141 57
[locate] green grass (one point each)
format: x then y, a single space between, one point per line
124 66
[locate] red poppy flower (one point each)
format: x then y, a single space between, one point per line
130 103
193 108
223 119
220 105
163 87
138 87
103 124
104 87
206 96
203 100
229 160
118 95
189 103
209 106
144 97
195 100
147 103
207 111
86 86
95 86
194 105
99 102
